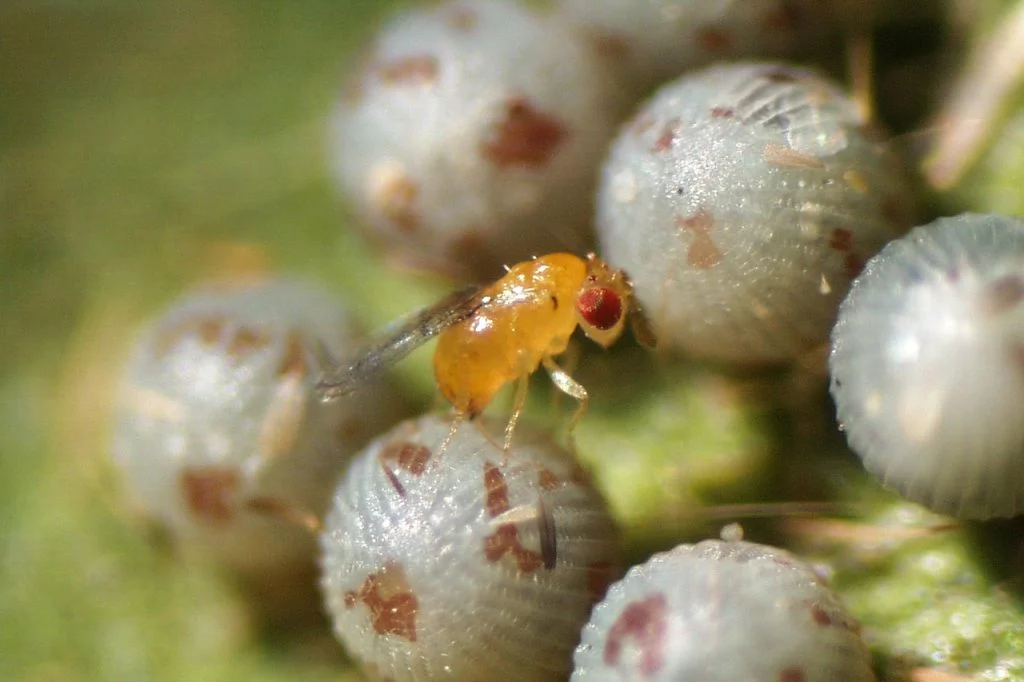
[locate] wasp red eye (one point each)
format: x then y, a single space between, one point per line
600 307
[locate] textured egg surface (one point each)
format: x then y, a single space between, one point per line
741 200
732 611
452 564
927 366
218 409
472 137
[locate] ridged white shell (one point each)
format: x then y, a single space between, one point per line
450 565
218 406
473 136
741 200
928 366
728 611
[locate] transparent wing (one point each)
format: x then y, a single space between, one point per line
397 341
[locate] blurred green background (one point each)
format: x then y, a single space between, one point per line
145 146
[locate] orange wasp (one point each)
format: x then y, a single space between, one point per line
491 335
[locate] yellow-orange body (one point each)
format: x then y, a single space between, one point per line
529 315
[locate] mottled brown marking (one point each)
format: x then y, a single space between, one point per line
714 40
391 601
505 540
643 622
496 490
792 674
462 18
722 112
703 253
599 577
547 480
411 457
209 491
397 199
667 137
779 155
294 362
414 70
525 136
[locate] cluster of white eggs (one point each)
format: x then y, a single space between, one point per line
742 200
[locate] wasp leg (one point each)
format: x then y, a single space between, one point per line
566 384
518 403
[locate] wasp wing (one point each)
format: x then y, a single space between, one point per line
398 340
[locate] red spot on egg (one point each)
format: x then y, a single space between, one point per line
505 540
642 624
209 492
412 70
525 136
392 603
722 112
410 457
600 307
667 137
702 253
496 490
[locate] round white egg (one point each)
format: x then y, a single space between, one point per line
721 611
927 366
458 561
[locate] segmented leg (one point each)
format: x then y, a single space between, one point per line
518 403
571 387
